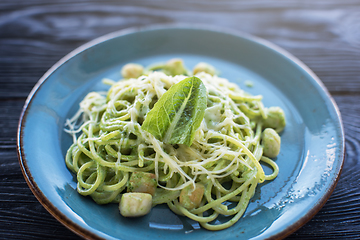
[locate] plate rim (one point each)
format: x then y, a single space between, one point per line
86 233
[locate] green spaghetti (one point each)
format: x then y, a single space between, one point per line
160 137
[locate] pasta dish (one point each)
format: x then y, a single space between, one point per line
167 135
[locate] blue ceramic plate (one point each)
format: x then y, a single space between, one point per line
310 161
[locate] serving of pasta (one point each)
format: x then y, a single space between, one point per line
167 135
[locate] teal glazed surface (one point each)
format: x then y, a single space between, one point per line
310 160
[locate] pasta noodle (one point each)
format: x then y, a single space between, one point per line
109 145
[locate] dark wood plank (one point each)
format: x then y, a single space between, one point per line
36 34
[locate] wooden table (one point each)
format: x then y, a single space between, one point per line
35 34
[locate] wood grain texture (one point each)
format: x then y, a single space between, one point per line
35 34
321 34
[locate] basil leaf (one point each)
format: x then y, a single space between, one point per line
178 113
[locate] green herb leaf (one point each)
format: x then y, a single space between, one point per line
178 113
